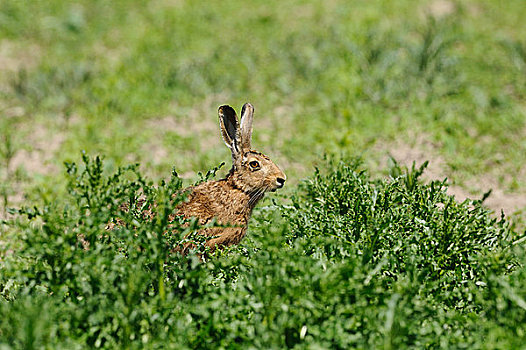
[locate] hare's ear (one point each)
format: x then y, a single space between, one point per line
247 115
229 128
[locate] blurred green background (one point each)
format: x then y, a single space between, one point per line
140 81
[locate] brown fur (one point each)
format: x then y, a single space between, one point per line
231 200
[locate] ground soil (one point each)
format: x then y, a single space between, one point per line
421 150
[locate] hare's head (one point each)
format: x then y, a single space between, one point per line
251 170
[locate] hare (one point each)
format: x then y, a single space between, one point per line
231 200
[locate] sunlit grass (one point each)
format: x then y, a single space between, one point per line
140 82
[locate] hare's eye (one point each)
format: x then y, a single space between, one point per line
254 164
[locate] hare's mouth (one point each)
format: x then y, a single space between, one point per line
277 185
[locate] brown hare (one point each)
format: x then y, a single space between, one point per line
231 200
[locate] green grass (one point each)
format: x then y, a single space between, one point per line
140 82
324 77
351 262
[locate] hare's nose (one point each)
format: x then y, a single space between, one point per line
280 181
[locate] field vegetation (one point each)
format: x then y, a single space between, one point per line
104 102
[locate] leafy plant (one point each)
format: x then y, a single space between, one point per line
95 273
349 262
